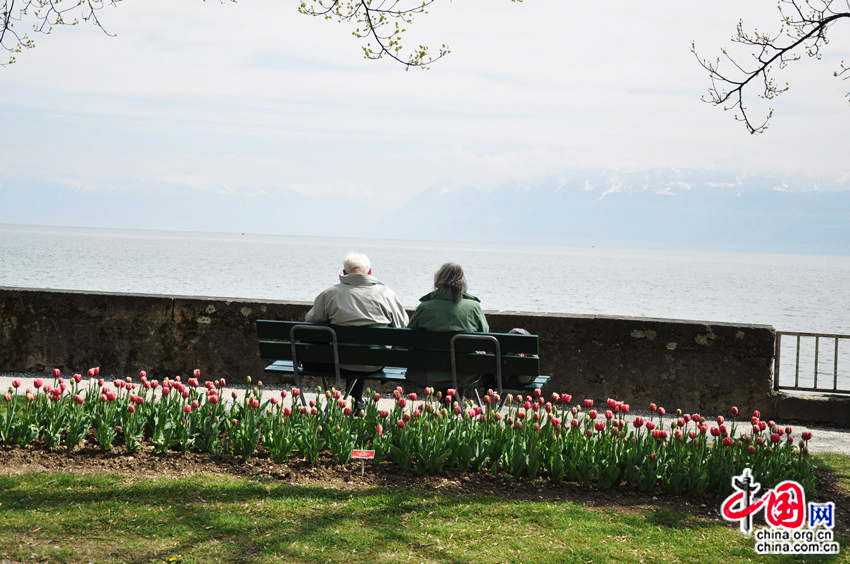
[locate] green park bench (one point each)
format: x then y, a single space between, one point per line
505 355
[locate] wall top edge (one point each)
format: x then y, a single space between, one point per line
589 317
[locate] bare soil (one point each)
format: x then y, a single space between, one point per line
90 459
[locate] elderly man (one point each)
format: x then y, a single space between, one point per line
358 299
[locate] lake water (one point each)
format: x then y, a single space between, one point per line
791 292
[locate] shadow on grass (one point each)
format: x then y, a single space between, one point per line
244 519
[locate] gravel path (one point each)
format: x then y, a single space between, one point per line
824 439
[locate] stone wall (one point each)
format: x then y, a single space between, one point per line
690 365
679 364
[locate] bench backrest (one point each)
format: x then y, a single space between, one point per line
412 348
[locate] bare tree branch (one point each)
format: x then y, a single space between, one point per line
803 29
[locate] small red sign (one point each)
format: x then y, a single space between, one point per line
366 454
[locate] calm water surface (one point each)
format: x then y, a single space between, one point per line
790 292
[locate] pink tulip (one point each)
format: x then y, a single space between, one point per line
662 411
400 424
402 403
16 383
56 372
638 422
653 407
131 408
412 397
751 449
187 409
734 410
807 436
566 398
600 426
37 383
588 403
8 397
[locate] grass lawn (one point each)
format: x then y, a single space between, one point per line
66 517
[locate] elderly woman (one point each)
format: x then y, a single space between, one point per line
447 308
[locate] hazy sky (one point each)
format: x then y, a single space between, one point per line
219 104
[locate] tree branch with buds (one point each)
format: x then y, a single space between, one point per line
803 30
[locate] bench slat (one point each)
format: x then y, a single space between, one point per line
268 330
433 360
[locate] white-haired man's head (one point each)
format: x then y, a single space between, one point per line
356 263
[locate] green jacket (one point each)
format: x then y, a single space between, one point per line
438 312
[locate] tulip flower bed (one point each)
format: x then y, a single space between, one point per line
531 437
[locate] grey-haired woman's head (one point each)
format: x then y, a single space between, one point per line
450 276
